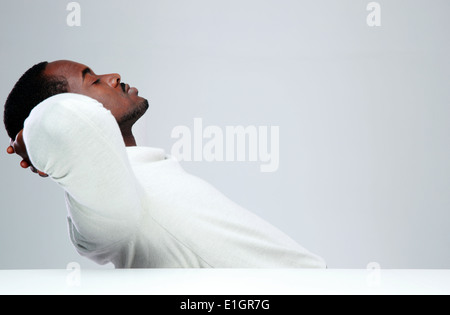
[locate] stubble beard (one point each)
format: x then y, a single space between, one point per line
132 117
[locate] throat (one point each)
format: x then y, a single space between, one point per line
128 138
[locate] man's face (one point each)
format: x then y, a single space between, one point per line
123 101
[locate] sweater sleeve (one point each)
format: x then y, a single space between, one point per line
78 143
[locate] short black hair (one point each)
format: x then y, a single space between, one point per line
32 88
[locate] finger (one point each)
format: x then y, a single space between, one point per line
33 169
24 164
10 150
42 174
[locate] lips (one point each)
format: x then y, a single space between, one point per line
133 91
129 90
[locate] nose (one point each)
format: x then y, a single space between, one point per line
113 79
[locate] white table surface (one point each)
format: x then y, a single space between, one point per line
225 282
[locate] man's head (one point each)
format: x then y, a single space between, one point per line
48 79
32 88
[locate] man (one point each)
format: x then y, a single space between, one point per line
132 206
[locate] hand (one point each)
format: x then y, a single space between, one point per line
18 147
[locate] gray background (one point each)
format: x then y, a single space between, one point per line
364 115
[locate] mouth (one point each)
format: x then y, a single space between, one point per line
129 90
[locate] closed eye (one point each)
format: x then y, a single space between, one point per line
96 82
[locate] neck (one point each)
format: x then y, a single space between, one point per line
128 138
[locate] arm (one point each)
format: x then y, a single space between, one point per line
18 146
77 142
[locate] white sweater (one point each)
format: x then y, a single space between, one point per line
136 207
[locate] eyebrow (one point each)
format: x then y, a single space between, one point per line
85 72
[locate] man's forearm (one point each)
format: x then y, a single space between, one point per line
78 144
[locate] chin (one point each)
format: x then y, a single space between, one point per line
137 110
143 105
